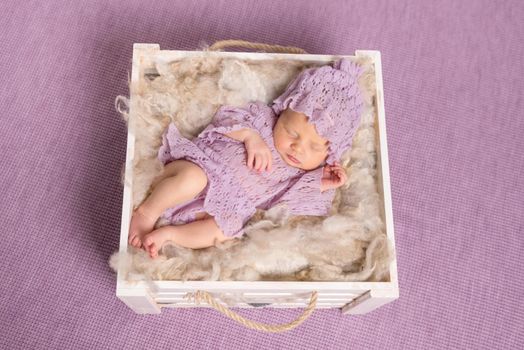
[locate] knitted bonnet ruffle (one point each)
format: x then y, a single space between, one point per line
330 98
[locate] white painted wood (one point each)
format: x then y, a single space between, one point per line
135 297
382 158
127 205
260 299
172 55
269 294
275 306
297 301
369 301
351 297
139 300
266 286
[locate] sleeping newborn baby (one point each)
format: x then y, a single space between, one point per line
250 157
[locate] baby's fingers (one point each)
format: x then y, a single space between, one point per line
266 163
257 162
342 176
270 162
338 170
261 162
250 159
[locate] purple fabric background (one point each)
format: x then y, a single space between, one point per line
453 95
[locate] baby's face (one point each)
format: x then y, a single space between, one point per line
295 138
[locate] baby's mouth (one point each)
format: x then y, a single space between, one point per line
293 159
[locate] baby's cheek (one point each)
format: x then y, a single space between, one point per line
278 144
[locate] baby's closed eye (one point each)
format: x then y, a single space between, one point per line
291 133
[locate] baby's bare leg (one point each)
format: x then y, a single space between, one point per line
197 234
183 182
170 169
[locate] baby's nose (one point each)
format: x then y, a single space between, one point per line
296 147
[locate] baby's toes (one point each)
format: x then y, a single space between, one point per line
147 241
153 252
131 239
149 245
136 242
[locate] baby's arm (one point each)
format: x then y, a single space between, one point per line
249 125
241 135
305 195
258 153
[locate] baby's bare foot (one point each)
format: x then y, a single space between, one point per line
141 224
154 241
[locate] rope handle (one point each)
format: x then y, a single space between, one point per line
260 46
199 295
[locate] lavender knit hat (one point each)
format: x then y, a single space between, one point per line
330 98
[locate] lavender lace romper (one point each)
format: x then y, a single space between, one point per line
234 191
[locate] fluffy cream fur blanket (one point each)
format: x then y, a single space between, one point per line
348 245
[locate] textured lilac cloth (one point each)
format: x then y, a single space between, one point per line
234 191
330 98
453 97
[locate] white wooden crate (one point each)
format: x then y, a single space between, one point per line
350 297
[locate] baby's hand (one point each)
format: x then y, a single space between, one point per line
333 176
258 153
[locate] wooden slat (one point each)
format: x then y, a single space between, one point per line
261 300
266 294
268 286
280 305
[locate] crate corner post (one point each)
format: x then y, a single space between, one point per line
369 301
138 299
